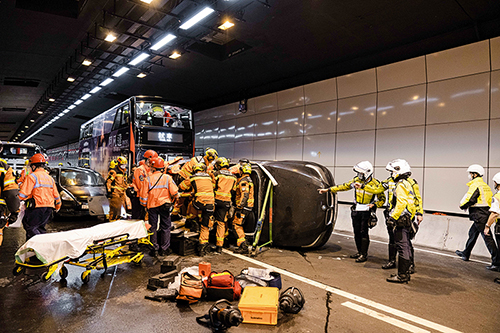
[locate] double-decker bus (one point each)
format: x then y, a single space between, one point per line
130 128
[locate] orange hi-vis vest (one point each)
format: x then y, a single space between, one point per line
187 168
160 189
224 182
24 173
116 183
203 189
244 192
41 186
7 180
140 175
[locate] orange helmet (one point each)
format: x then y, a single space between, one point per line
157 163
142 163
150 154
37 159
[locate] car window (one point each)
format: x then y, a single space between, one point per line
80 178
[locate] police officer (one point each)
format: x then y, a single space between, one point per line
244 189
160 193
116 184
224 182
478 201
41 197
494 212
204 200
139 179
401 213
364 204
9 199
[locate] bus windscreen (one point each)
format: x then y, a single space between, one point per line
159 114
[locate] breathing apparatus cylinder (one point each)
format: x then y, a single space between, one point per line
221 316
291 300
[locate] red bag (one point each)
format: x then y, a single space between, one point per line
222 286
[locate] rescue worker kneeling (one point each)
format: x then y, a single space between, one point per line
224 183
203 201
40 194
401 214
244 204
116 185
158 196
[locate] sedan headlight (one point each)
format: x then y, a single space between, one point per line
65 196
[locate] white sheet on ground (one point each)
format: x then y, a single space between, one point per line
54 246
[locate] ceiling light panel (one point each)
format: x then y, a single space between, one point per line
106 82
96 89
121 71
139 59
197 18
86 96
165 40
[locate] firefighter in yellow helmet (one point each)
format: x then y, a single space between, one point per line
224 183
9 199
244 190
116 185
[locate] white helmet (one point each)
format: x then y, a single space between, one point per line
477 169
398 167
364 169
496 179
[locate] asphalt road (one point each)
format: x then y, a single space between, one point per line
444 295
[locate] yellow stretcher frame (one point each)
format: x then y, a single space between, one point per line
102 258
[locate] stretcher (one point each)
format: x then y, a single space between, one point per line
99 247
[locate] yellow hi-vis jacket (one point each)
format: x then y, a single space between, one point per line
403 200
224 182
203 189
477 200
389 184
364 195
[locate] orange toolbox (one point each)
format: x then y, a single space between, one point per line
259 305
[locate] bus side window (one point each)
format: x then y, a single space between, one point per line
116 124
125 116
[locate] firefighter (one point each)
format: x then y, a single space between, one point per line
24 173
244 190
478 201
116 185
185 174
160 192
139 178
363 206
112 165
235 169
39 192
494 212
9 199
402 210
224 183
203 202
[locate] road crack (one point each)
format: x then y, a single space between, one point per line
328 310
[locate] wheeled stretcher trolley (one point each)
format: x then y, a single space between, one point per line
99 247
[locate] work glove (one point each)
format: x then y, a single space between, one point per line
391 222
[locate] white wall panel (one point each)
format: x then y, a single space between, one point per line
243 149
289 148
359 83
401 74
291 98
321 118
320 91
495 53
266 125
226 150
457 145
406 143
343 175
211 132
495 94
444 188
488 179
199 134
356 113
208 116
495 143
245 128
459 99
319 149
266 103
401 107
227 131
464 60
228 111
264 149
353 147
291 122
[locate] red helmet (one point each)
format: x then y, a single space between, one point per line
157 163
150 154
37 158
142 163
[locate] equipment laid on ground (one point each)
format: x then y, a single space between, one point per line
222 286
183 242
191 289
204 268
170 263
291 300
221 316
259 305
162 280
106 244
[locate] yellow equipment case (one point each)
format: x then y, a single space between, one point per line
259 305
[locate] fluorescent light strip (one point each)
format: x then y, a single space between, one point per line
71 107
66 111
163 42
96 89
121 71
86 96
197 18
78 102
106 82
139 58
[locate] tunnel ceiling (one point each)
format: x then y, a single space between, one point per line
274 45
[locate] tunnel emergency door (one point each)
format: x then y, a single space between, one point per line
98 205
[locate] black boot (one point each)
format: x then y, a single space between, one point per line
403 273
203 249
392 257
365 242
355 256
243 248
389 265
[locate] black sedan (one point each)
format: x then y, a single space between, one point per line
82 191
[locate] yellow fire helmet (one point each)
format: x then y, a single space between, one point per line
121 160
113 164
199 167
211 154
246 168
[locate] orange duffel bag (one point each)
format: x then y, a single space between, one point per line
191 289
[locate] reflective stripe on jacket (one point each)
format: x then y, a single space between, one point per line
161 189
187 168
203 188
7 178
364 195
41 186
244 192
140 175
116 183
403 200
224 183
478 195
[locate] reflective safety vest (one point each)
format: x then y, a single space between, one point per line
364 195
116 183
244 192
495 204
202 185
160 189
24 173
403 200
41 186
7 179
224 183
140 175
478 195
187 168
